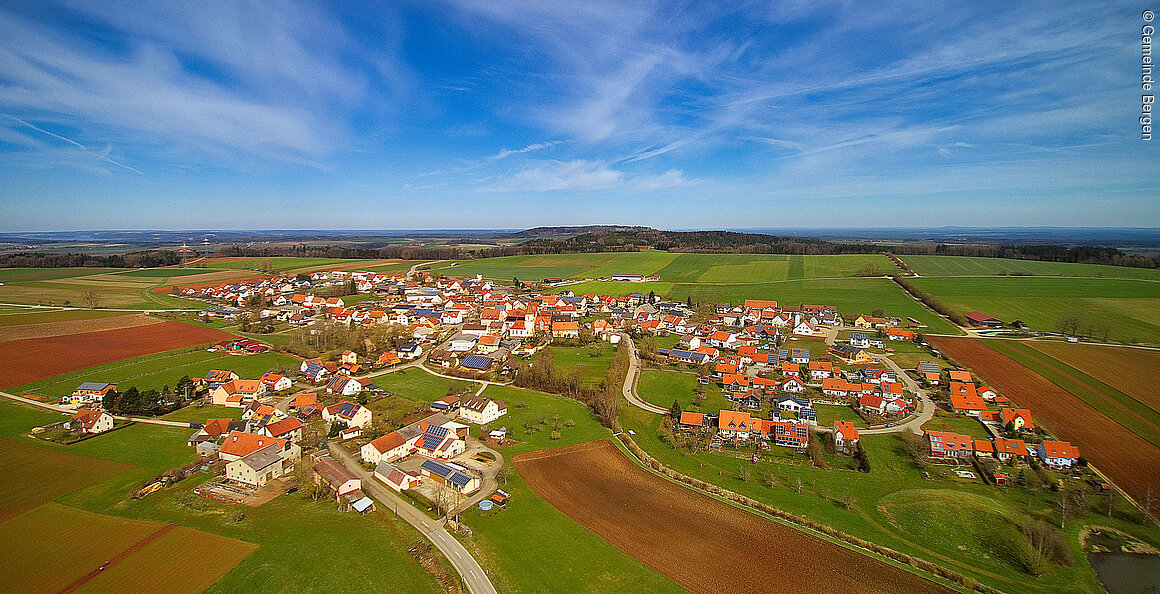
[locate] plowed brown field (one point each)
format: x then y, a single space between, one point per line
1130 461
1135 372
700 543
31 359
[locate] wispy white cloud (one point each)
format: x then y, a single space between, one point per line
505 153
582 176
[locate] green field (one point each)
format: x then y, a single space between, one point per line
566 557
281 263
161 369
1128 309
12 317
672 267
972 266
200 414
116 288
889 507
410 390
663 387
828 413
588 362
955 423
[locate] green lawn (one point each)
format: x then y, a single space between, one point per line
972 266
529 407
907 354
887 512
1128 309
199 414
417 385
161 369
828 413
590 362
662 387
963 425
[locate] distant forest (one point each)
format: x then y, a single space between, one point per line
609 239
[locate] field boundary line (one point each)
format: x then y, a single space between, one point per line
144 542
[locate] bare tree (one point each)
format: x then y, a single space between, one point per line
799 485
92 297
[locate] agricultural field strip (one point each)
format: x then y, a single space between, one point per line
1124 409
1130 370
1132 462
688 536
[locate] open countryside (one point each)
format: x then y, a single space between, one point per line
887 504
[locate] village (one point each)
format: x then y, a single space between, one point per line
780 369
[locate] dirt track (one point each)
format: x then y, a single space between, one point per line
31 359
1130 461
46 329
700 543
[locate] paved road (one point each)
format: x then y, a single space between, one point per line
474 578
629 389
61 307
65 409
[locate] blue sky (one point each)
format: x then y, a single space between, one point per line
498 114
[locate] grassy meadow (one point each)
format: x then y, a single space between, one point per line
1127 309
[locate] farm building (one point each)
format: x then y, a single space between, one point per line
450 476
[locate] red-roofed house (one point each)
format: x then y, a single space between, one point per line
1017 418
1058 454
91 421
944 444
845 435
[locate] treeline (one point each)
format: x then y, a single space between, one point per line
1084 254
144 259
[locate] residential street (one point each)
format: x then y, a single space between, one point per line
474 578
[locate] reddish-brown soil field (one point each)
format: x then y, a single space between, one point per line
1130 461
1135 372
167 289
700 543
31 359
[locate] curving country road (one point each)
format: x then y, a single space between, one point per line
630 379
913 423
474 577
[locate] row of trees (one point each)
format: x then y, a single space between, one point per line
148 403
142 259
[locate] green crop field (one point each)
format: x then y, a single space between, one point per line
12 317
115 288
887 507
161 369
971 266
1127 309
